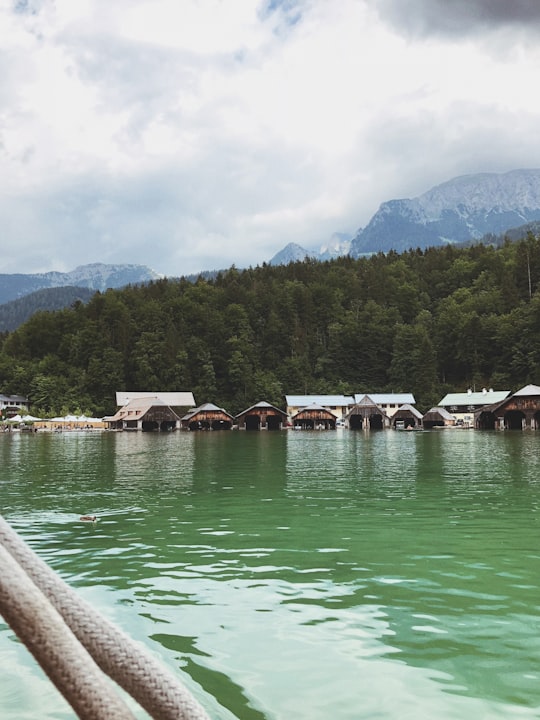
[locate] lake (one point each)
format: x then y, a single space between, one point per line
323 575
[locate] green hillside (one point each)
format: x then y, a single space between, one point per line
15 313
426 321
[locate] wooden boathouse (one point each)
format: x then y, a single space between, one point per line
406 417
438 417
389 403
366 415
314 417
521 411
207 417
147 414
262 416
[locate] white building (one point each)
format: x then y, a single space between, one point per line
11 405
463 405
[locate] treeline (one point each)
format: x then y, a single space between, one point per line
426 321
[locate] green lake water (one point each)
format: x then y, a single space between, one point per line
321 575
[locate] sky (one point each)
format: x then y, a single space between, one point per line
192 135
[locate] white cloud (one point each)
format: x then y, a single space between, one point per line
199 134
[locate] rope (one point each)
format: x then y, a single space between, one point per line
43 631
154 687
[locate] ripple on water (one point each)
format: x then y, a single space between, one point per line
294 574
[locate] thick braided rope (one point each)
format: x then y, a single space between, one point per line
128 663
34 620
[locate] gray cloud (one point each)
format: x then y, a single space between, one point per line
459 17
398 143
177 219
194 150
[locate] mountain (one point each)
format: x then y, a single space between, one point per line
15 313
95 276
291 253
339 244
465 208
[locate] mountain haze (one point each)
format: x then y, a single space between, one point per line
96 276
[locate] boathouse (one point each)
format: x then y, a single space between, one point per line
262 416
464 405
406 417
521 411
207 417
389 403
147 414
438 417
314 417
366 415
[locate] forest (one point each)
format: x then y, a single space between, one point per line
15 312
424 321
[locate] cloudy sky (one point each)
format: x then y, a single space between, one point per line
194 134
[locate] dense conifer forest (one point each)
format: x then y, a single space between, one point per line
16 312
425 321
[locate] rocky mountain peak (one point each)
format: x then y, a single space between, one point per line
464 208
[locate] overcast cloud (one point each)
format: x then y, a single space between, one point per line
196 134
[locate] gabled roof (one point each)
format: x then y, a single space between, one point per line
314 407
440 411
137 408
485 397
360 408
410 409
262 406
207 407
388 398
173 399
528 391
365 401
15 399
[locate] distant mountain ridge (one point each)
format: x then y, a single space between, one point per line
339 244
291 253
95 276
465 208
